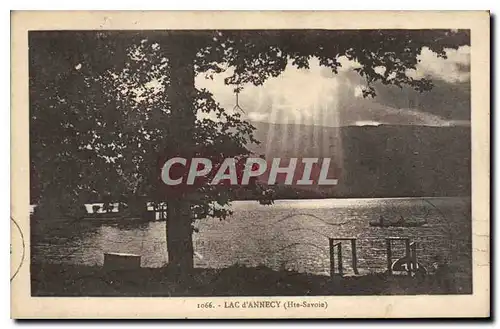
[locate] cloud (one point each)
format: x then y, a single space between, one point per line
347 64
361 110
320 97
256 116
413 117
367 123
358 91
454 69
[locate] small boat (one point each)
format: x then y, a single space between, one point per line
112 219
121 217
400 223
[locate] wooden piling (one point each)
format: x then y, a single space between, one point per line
339 258
389 255
354 257
408 256
413 249
332 258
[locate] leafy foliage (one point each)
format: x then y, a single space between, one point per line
257 55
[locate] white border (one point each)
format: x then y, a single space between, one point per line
92 4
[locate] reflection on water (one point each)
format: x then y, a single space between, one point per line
290 234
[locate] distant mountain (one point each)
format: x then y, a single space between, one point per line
377 161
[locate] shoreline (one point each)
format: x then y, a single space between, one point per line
80 280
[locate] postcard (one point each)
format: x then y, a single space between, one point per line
250 164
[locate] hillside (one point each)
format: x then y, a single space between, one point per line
379 161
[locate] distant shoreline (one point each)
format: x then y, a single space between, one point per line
465 197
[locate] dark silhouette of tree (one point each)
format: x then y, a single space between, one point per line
101 129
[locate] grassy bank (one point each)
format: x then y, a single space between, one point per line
73 280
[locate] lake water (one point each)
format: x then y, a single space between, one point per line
291 234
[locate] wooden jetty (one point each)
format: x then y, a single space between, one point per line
408 264
336 250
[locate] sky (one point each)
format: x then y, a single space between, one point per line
316 96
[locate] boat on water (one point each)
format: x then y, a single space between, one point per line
113 219
401 222
125 217
99 214
116 215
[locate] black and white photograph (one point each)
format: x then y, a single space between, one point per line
281 162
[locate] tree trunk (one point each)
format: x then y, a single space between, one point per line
181 95
179 236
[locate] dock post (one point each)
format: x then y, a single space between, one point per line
354 257
413 247
389 255
339 258
332 258
408 256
